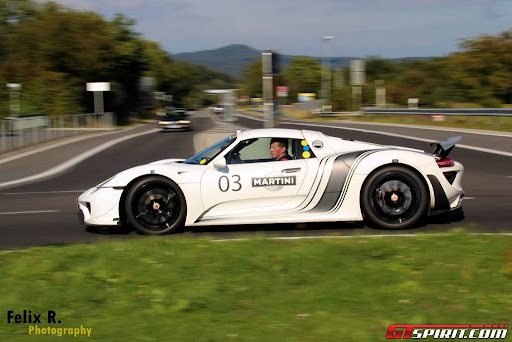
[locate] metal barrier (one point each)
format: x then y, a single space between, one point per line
18 132
442 111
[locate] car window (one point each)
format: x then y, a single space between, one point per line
205 156
175 114
257 150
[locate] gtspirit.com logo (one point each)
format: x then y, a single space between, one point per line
458 331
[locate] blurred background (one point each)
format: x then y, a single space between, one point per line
48 52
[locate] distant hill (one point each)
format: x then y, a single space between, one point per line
232 59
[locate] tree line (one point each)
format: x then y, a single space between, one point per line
52 51
480 75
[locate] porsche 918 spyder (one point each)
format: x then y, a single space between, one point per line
244 179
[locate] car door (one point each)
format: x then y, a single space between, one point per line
253 182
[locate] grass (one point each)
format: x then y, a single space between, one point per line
176 289
466 122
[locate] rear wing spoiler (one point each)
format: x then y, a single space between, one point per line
443 148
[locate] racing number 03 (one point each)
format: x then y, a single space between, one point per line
224 183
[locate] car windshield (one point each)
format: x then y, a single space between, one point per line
211 152
174 114
172 117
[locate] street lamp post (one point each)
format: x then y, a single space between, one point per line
326 75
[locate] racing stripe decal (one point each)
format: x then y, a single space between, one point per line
337 187
339 172
334 186
320 174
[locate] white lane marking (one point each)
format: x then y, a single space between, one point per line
320 237
469 198
30 212
356 236
65 142
76 160
448 129
249 117
486 150
434 128
43 192
480 149
468 147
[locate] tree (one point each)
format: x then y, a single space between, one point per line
129 64
302 76
13 13
252 83
489 59
59 53
75 43
378 68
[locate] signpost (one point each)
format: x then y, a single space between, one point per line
380 94
98 88
357 80
326 78
282 94
14 99
270 66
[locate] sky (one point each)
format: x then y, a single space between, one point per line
385 28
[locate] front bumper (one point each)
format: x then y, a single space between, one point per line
168 126
99 207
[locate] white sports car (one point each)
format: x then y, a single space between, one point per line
242 180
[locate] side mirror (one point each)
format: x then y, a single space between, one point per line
219 163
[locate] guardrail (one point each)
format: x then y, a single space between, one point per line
18 132
441 111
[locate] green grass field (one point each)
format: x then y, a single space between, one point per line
178 289
490 123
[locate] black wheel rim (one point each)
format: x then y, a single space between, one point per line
156 207
395 198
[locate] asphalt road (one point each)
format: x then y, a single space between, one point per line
45 212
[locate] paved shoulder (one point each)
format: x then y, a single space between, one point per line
485 141
477 138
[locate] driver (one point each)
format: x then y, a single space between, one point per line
279 149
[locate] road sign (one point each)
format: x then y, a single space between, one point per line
282 91
357 72
97 86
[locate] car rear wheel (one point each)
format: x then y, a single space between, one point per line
394 198
155 205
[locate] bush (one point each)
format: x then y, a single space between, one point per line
341 100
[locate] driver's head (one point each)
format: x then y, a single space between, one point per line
278 147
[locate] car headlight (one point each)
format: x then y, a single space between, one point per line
102 184
184 122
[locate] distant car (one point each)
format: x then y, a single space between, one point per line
175 119
236 181
218 109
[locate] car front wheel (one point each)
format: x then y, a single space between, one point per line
155 205
394 198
